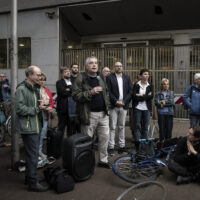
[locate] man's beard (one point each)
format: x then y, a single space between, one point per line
73 72
67 77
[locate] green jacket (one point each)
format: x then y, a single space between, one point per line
81 93
27 109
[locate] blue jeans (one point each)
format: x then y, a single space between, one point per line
42 134
141 129
194 120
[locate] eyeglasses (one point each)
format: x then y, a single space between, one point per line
2 76
42 80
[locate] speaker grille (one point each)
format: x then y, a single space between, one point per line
84 165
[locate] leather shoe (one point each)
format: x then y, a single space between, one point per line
104 165
37 187
183 180
121 150
40 179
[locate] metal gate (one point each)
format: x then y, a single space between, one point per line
177 63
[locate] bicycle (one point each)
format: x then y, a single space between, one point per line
139 167
5 127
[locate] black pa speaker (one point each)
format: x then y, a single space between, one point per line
78 156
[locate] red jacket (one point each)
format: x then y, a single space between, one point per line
51 101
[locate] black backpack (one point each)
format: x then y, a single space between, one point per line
59 180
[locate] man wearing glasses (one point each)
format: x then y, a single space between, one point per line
120 91
105 72
28 107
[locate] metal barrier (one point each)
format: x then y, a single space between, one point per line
178 63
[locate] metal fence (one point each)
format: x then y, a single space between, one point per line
177 63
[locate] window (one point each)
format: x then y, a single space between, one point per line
24 53
3 53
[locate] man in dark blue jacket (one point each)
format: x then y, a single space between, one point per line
192 100
5 87
120 91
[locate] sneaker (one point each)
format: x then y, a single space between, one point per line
121 150
111 152
104 165
42 155
183 180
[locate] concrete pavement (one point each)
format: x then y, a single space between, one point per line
103 185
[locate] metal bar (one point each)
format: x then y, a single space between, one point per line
14 67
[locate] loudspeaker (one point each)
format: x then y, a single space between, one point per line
78 156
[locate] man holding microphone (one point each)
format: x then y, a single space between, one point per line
92 98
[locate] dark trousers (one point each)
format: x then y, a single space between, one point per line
194 120
141 123
165 123
73 126
31 145
63 121
180 170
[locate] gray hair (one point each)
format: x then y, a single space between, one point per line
29 70
196 76
88 58
3 73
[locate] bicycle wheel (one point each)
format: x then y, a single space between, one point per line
148 190
133 172
8 125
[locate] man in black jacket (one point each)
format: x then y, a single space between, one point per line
186 163
120 91
64 89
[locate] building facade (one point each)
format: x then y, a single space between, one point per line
155 35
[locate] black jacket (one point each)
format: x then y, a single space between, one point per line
63 94
113 88
181 153
148 98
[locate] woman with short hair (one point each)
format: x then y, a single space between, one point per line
142 105
164 101
47 100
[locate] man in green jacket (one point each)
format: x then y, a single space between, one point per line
29 116
92 98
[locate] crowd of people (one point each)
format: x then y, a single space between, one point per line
99 102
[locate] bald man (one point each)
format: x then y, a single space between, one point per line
29 117
105 72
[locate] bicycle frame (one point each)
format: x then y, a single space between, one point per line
155 158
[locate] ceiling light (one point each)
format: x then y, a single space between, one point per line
21 45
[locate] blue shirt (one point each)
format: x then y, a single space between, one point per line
164 110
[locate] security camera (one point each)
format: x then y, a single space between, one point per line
50 15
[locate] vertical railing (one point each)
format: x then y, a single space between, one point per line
177 63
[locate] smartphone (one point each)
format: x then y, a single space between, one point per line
47 104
